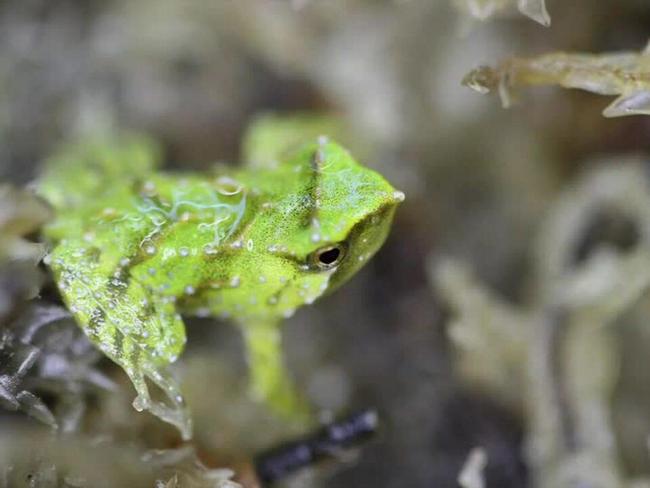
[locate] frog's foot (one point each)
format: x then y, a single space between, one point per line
174 413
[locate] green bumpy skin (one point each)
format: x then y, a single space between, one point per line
134 249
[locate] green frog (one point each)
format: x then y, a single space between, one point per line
133 249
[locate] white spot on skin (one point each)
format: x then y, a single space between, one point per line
89 236
398 196
237 244
47 259
184 252
235 282
288 313
151 271
322 140
282 279
315 237
273 300
190 290
210 250
118 283
149 188
125 262
227 186
150 249
203 312
262 279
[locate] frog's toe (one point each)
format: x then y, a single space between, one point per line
176 413
141 403
179 418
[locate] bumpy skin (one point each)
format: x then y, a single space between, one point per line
134 248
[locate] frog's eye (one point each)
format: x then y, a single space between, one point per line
328 257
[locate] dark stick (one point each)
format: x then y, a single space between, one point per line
326 443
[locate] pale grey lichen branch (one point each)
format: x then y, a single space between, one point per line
483 327
471 474
562 337
625 75
181 468
485 9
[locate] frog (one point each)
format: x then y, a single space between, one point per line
134 248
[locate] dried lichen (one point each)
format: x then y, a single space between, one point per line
44 352
566 383
471 476
500 330
624 74
181 468
20 214
43 462
485 9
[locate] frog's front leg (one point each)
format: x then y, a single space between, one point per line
155 369
137 329
269 379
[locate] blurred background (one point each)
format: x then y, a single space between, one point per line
459 332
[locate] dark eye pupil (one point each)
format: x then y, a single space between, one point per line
330 256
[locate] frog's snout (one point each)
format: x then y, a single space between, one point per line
399 196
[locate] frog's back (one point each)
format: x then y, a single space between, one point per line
109 195
84 177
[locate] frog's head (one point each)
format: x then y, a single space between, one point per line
330 216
